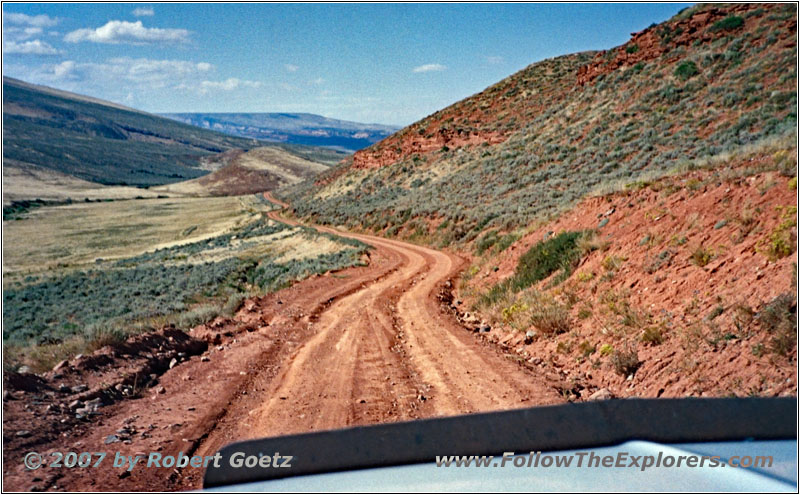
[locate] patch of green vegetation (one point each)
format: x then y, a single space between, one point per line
544 258
505 242
782 241
686 70
485 242
17 209
728 24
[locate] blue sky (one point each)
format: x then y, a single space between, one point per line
383 63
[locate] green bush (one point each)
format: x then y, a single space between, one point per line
728 24
545 258
686 70
488 240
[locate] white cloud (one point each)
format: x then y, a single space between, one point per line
18 33
317 82
115 32
33 47
430 68
19 28
229 84
493 60
291 67
121 73
29 20
143 11
64 69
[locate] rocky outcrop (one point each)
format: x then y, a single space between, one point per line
656 41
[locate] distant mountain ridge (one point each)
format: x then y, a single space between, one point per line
292 128
100 141
63 134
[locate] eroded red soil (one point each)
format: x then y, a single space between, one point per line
646 269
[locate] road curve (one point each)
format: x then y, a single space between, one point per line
365 345
388 352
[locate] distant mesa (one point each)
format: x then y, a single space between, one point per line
293 128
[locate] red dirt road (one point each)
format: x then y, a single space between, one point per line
365 345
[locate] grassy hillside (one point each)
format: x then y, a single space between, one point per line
712 79
630 215
247 172
102 143
295 128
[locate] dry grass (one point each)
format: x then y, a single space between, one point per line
26 181
281 166
80 233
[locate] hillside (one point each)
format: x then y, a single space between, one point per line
102 142
248 172
708 81
630 216
293 128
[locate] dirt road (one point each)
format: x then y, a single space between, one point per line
366 345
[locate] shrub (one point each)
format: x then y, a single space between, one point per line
104 334
702 256
686 70
510 311
783 240
606 349
549 316
612 263
487 241
728 24
652 335
662 259
779 319
505 242
626 362
545 258
632 48
586 348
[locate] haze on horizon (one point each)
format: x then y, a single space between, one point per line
375 63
